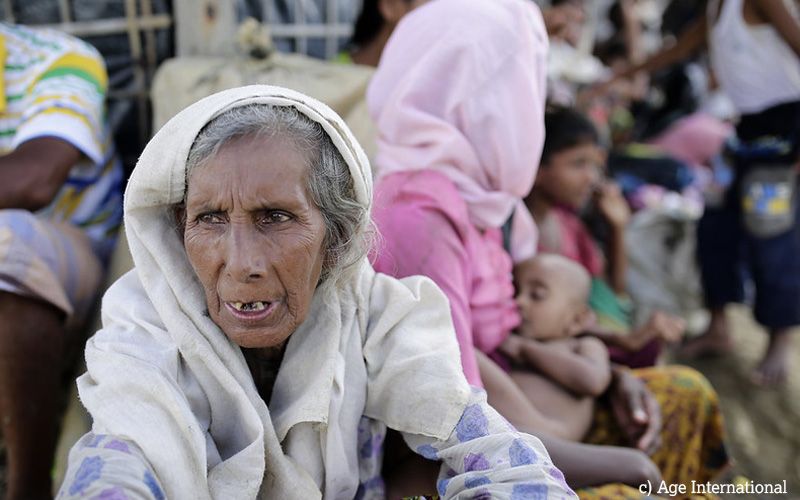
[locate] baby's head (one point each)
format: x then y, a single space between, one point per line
552 295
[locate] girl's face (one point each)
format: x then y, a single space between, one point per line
571 175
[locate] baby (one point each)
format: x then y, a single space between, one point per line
559 371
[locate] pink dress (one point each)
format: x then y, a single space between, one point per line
425 229
564 233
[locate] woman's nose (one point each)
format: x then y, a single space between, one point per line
246 260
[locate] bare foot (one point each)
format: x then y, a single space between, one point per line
715 341
774 367
706 345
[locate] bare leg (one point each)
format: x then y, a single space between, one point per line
715 341
775 365
32 341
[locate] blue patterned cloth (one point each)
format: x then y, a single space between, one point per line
484 457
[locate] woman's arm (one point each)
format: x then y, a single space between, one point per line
484 456
422 240
582 464
104 466
586 465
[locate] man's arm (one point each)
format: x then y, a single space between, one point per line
32 174
688 42
776 13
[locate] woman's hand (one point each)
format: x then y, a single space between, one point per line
636 410
613 206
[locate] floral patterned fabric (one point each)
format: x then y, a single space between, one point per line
484 457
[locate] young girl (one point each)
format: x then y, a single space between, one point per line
568 179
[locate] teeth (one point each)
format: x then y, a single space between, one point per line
249 306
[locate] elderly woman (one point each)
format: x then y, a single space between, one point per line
253 352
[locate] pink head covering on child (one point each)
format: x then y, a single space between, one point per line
473 114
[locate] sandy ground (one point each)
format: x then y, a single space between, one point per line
763 424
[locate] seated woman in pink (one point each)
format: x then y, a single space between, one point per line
460 122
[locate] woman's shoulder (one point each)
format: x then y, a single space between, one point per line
383 291
421 190
130 318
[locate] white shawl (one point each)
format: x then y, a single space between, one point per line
198 417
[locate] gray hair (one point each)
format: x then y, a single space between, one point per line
348 229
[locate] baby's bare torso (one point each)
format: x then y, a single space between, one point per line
555 402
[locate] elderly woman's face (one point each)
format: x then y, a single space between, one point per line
255 239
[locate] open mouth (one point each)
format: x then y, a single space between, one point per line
251 311
249 306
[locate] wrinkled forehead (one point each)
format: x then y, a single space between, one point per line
279 141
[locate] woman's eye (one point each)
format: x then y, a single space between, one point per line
276 217
210 218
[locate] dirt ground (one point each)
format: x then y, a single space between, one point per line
763 424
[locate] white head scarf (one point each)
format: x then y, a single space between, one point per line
197 415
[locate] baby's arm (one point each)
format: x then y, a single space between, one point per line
584 369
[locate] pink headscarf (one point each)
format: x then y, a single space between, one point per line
460 89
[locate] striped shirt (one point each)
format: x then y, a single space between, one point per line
54 85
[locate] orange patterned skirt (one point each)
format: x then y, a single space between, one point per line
692 434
